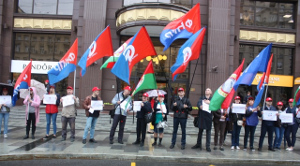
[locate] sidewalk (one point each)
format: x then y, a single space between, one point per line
14 147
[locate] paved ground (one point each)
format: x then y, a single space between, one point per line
15 148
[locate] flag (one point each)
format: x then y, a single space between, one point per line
226 88
101 47
147 80
23 82
189 51
138 48
182 28
110 62
65 66
261 86
259 64
297 97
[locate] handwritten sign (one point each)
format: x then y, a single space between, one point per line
270 115
68 100
239 108
205 107
49 99
286 117
5 100
137 106
97 104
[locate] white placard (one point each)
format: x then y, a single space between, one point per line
38 67
5 100
97 104
68 100
49 99
239 108
205 107
137 106
270 115
91 110
286 117
297 112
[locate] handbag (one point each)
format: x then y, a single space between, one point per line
240 122
196 121
298 120
149 117
112 113
162 124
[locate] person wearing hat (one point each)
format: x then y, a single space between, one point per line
141 123
91 114
181 107
237 120
267 126
68 115
120 100
204 121
251 122
160 114
4 113
279 127
292 127
51 112
47 86
32 102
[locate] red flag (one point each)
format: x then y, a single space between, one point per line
266 80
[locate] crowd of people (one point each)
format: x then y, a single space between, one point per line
156 112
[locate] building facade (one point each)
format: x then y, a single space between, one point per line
44 30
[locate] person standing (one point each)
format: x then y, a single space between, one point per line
68 115
4 113
32 102
91 114
237 125
47 86
219 126
267 126
204 121
247 96
159 115
51 112
141 123
120 113
181 107
292 127
279 127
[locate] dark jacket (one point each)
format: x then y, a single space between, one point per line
86 103
217 116
204 117
292 110
155 110
235 117
144 110
268 123
179 110
53 108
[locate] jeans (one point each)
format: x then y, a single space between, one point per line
182 123
279 131
48 118
291 128
4 115
141 128
64 122
30 120
235 137
208 135
117 118
248 129
90 123
264 129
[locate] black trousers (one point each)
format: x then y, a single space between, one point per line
30 120
117 119
291 129
208 135
141 126
264 130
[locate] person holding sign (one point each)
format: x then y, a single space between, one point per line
279 127
267 126
69 113
237 120
292 127
219 121
4 112
92 114
251 122
32 102
141 123
123 105
204 121
51 112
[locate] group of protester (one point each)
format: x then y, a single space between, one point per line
156 113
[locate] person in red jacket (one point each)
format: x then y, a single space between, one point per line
51 112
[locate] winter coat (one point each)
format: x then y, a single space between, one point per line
144 110
35 103
204 117
179 110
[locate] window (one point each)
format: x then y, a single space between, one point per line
186 3
267 14
53 7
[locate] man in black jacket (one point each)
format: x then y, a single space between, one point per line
181 107
141 122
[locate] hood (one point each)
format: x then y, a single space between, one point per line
34 91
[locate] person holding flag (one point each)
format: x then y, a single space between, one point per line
292 127
181 107
123 105
4 113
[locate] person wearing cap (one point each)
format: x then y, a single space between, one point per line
4 113
51 112
181 107
68 115
91 114
32 102
267 126
279 127
141 123
47 86
236 119
204 121
160 114
251 116
292 127
119 101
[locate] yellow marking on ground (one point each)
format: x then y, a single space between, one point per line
133 164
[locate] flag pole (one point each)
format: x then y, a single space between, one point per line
75 82
188 92
264 103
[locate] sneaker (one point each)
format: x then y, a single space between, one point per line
232 148
221 148
84 141
111 142
215 148
252 149
154 143
5 135
72 139
208 149
289 149
237 147
93 140
172 146
245 149
271 149
120 142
